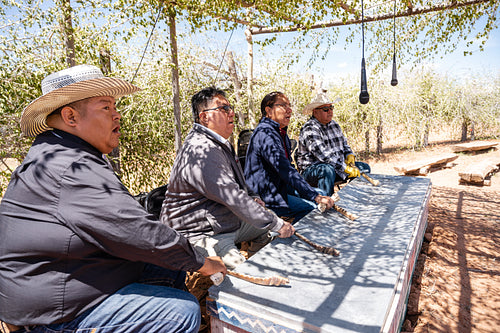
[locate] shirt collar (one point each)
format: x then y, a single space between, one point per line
274 123
212 133
74 139
319 122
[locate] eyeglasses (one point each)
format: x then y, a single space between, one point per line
286 106
225 108
326 108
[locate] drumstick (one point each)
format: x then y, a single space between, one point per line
344 212
335 197
320 248
372 181
274 280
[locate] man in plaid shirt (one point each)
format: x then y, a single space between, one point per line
323 154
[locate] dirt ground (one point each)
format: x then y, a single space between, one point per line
456 282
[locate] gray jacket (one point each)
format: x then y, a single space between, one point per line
207 193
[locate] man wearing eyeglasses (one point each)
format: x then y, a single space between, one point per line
207 199
323 154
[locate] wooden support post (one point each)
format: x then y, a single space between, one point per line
251 116
175 81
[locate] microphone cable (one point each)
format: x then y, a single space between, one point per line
364 97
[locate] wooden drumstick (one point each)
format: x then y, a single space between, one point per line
274 280
372 181
344 212
320 248
335 197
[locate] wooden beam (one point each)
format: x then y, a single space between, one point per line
410 12
175 81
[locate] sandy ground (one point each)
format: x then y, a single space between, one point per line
447 177
456 283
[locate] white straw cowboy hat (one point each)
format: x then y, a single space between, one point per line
320 99
68 86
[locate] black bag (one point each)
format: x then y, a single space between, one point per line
153 200
243 141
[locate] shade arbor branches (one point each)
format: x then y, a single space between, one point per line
424 28
45 31
41 36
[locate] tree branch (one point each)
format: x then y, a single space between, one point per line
240 21
214 67
410 12
245 4
347 8
410 6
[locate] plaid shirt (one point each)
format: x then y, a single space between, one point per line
320 143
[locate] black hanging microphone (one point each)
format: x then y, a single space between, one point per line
364 97
394 81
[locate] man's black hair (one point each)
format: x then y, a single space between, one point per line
202 98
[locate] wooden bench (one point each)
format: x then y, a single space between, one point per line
477 173
423 167
473 146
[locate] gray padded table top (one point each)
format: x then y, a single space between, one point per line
353 292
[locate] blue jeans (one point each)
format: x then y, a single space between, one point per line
297 208
138 307
323 175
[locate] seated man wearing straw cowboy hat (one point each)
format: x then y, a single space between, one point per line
323 154
77 252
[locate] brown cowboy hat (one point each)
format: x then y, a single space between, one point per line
68 86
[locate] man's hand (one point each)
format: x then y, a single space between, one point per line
260 202
324 201
213 265
352 171
287 230
350 159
